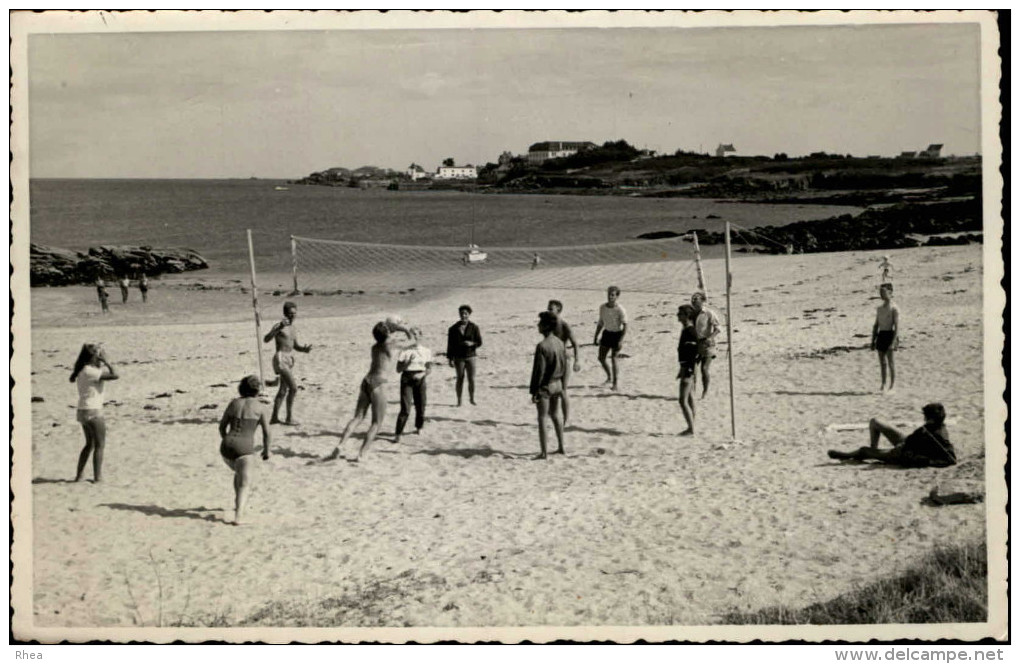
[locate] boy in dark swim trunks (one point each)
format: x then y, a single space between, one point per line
237 440
283 361
687 354
928 445
372 392
547 380
613 325
885 334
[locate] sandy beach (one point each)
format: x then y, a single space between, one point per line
459 526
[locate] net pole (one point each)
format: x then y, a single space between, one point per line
255 308
729 334
697 261
293 263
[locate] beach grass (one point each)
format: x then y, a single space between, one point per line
948 585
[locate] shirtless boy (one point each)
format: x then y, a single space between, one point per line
612 319
283 361
687 355
885 334
372 392
566 335
547 380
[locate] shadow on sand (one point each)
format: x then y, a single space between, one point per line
470 453
180 513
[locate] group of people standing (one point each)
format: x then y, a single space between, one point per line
125 284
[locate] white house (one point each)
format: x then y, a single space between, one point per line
416 172
539 152
457 173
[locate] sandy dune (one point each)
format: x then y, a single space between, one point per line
458 527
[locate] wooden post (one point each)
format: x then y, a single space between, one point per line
293 261
255 307
697 262
729 334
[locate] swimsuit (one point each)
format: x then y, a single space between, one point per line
240 440
284 359
610 339
884 340
370 383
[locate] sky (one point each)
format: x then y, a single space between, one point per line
282 104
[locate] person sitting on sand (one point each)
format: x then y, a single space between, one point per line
462 343
91 371
283 361
613 325
414 365
885 334
372 392
706 325
687 354
566 335
547 380
124 284
928 445
103 295
237 439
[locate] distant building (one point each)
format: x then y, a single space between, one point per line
416 172
723 148
934 151
907 155
457 173
540 152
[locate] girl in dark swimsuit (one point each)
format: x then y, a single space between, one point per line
237 439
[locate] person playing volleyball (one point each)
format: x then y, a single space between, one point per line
241 418
283 361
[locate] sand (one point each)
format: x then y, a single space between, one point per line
459 526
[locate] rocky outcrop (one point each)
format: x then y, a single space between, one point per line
53 266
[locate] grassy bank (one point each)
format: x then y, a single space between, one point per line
949 585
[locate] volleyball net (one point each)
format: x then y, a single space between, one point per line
324 267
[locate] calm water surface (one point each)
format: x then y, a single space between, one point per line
210 216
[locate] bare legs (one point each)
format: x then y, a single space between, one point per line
706 362
876 430
687 404
465 367
244 471
95 443
377 400
287 392
563 397
549 406
888 358
612 371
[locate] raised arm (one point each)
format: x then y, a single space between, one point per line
273 332
110 373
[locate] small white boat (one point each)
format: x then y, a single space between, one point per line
474 254
282 188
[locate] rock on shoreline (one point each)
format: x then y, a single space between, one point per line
55 266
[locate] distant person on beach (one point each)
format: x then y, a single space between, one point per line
372 392
283 361
414 365
687 355
706 326
613 326
91 371
547 380
885 334
103 295
124 284
143 286
462 342
237 440
887 268
535 260
566 335
928 445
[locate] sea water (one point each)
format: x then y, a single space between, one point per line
211 217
